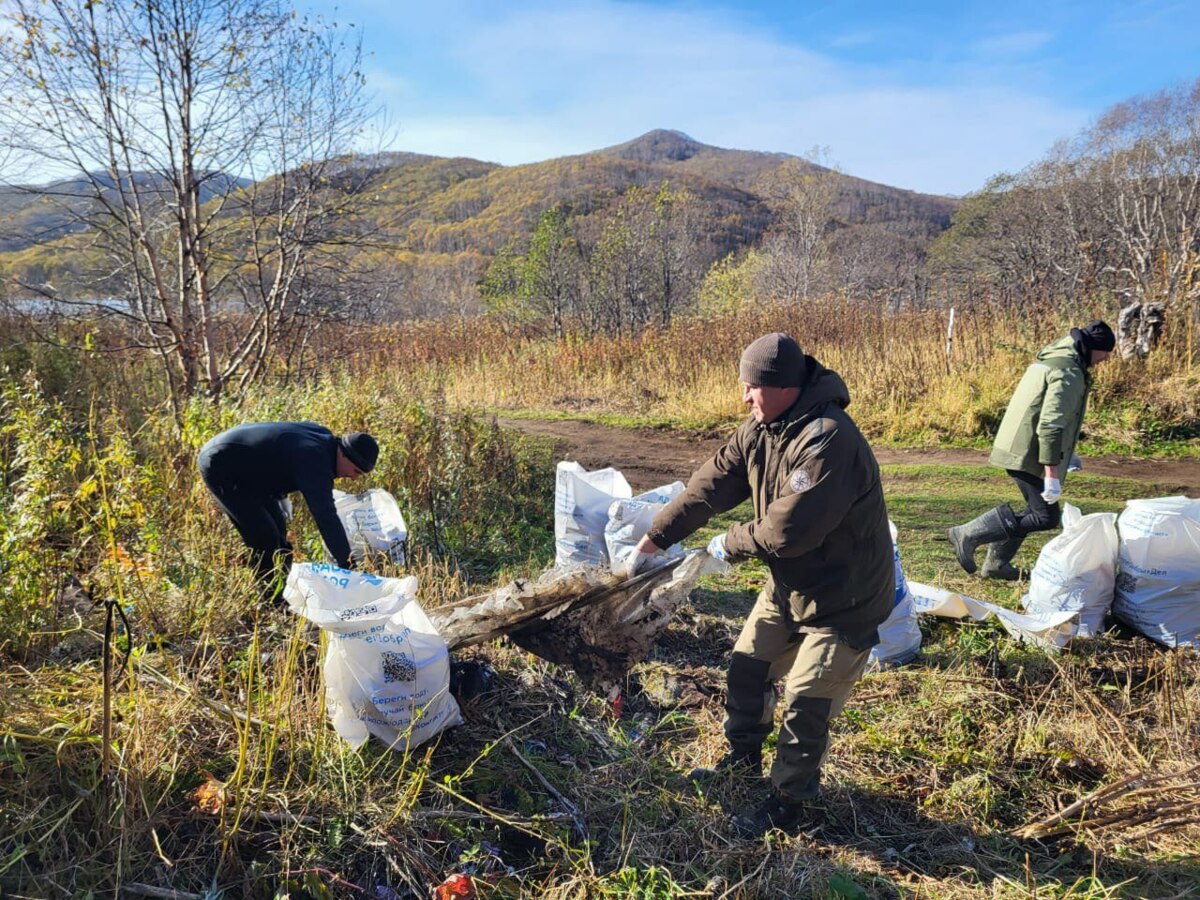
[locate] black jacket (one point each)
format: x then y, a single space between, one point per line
273 459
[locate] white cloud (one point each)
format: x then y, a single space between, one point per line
538 83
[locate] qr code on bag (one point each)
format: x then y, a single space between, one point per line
398 667
1126 583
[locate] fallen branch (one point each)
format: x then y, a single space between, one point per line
417 815
428 815
1166 800
214 705
571 808
519 823
482 618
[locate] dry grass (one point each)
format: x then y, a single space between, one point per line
931 769
904 386
943 779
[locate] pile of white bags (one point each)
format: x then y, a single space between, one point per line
899 635
1158 587
629 520
387 670
1076 570
373 523
581 502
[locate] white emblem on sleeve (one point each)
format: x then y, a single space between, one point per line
800 481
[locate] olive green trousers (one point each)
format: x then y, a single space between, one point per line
818 670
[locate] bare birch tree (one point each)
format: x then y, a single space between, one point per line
794 250
1113 211
207 136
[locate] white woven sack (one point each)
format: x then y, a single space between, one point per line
1076 570
373 523
629 520
387 670
581 502
900 634
1158 578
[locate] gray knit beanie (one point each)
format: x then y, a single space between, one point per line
774 360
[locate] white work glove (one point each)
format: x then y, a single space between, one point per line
716 548
1053 490
1075 465
638 562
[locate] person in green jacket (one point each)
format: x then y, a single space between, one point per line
1036 446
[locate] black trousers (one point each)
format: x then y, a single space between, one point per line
258 517
1038 515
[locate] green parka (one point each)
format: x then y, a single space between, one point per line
820 523
1042 422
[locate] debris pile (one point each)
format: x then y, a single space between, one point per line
597 623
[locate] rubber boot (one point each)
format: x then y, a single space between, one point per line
997 524
998 563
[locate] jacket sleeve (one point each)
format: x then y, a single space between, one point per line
318 494
716 487
1060 408
824 482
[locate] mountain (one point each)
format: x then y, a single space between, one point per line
40 214
859 201
438 205
663 146
429 207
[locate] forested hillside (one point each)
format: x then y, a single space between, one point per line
39 214
423 229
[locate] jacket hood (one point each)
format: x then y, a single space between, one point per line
820 387
1063 348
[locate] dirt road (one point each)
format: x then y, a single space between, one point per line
649 458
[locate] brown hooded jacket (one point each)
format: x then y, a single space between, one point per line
820 523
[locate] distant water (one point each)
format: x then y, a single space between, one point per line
71 307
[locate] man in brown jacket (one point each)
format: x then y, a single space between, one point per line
821 527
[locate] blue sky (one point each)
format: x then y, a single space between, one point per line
931 96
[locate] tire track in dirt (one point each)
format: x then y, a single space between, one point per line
651 457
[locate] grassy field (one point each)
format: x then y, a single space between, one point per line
905 388
222 778
932 766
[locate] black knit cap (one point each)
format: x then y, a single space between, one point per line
774 360
1096 336
360 449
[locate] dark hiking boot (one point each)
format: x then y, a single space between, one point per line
998 563
997 524
776 812
735 764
